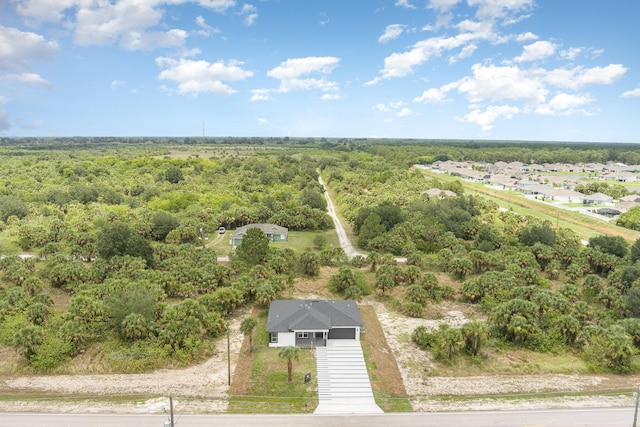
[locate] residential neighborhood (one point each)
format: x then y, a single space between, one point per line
553 183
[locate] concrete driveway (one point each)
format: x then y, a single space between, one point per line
343 382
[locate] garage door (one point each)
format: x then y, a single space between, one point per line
342 334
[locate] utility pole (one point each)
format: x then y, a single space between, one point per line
228 359
635 414
171 409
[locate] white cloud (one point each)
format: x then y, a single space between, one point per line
402 64
508 10
577 77
404 112
4 116
466 52
535 51
564 104
525 37
205 29
486 118
261 95
392 32
45 10
129 22
18 49
330 96
217 5
107 23
405 4
443 9
443 5
32 79
201 76
431 96
381 108
396 108
631 93
571 53
153 39
262 122
116 83
499 83
296 67
291 71
250 14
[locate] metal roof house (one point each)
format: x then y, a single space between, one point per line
274 233
310 323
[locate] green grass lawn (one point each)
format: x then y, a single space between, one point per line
269 391
299 241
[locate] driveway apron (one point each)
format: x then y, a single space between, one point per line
343 382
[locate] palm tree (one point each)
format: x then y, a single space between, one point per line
246 327
290 353
474 333
134 326
29 338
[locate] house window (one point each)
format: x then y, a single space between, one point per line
303 335
274 337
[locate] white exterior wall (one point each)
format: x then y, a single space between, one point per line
285 339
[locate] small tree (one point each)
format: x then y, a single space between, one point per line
309 264
254 248
474 334
174 175
246 327
289 353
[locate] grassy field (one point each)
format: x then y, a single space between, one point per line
583 225
299 241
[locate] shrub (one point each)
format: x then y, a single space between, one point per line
412 309
51 354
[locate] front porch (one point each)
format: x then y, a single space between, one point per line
311 339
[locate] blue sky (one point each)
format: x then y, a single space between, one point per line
562 70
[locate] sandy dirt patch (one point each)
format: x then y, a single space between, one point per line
201 388
426 390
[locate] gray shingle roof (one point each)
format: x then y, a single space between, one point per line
301 315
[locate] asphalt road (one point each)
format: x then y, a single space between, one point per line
596 417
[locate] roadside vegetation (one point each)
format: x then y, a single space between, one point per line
124 246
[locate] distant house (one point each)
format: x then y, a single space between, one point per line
307 323
436 192
598 199
620 176
624 206
564 196
274 233
630 198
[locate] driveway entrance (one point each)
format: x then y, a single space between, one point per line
343 382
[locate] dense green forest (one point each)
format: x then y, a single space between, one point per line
116 229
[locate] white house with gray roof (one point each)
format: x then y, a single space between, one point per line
310 323
274 233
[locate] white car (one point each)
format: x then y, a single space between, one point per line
221 230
